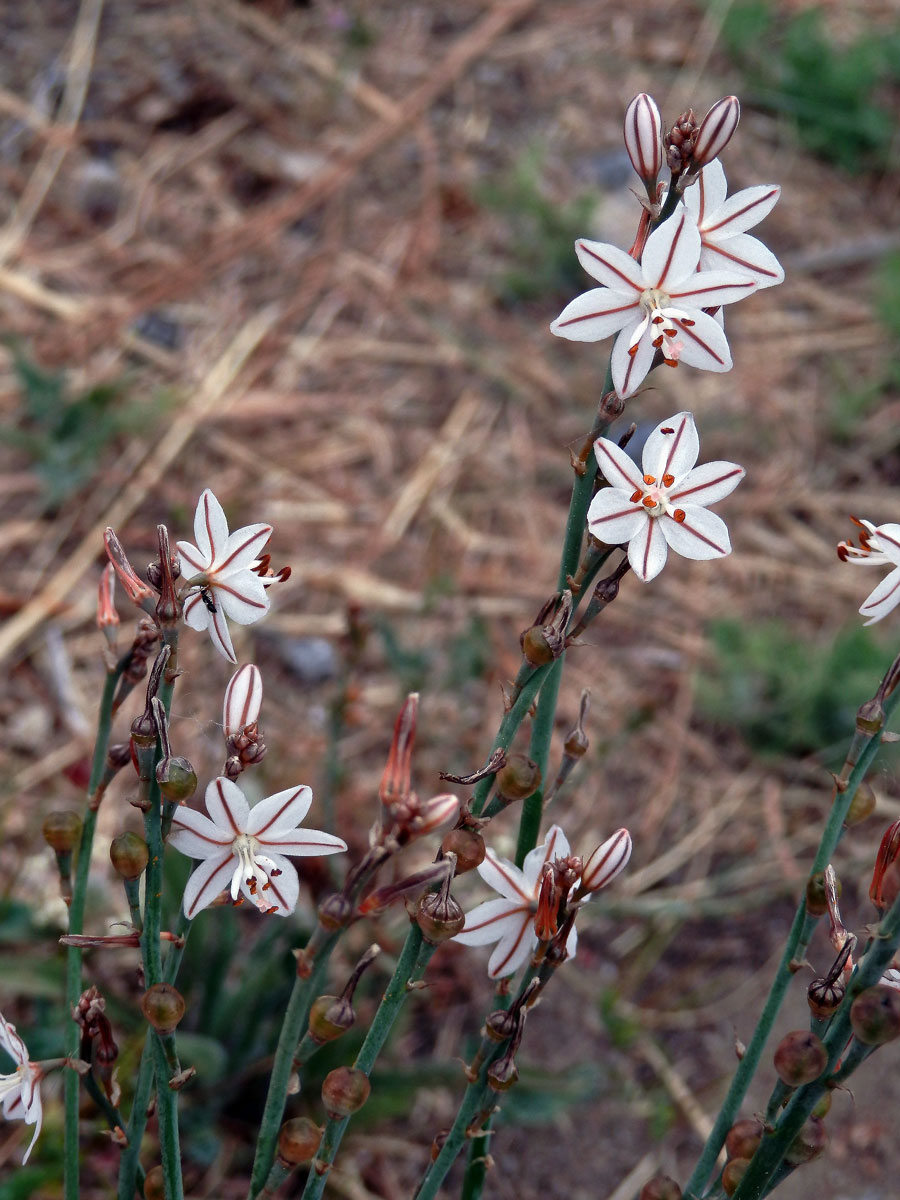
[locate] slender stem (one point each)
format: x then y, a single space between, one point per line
541 734
129 1165
528 683
167 1116
866 744
76 926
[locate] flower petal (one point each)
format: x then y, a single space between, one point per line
304 843
882 599
707 289
12 1043
283 811
647 551
672 251
490 921
196 836
554 845
208 881
740 212
504 877
744 254
888 541
195 613
613 518
702 534
595 315
612 267
672 448
630 370
704 344
513 949
617 467
242 596
242 549
708 193
227 805
283 890
210 526
195 560
707 484
218 632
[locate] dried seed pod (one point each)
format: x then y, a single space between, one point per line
817 895
177 779
344 1091
329 1018
519 778
439 917
298 1141
467 845
335 912
800 1057
824 997
502 1074
155 1184
862 805
875 1015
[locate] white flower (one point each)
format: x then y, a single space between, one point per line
657 303
220 569
878 547
19 1091
510 922
726 246
666 505
244 849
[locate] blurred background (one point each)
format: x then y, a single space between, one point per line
306 254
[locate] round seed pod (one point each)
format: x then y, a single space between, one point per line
519 778
816 893
734 1172
439 917
298 1141
155 1184
335 912
467 845
861 806
163 1006
345 1091
800 1058
329 1018
62 831
660 1187
177 779
743 1137
808 1144
537 647
875 1015
129 854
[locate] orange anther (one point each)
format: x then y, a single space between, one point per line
671 362
657 342
649 480
670 332
678 515
636 495
667 429
668 479
647 502
687 321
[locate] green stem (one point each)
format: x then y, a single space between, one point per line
533 679
864 748
76 926
539 751
129 1166
167 1117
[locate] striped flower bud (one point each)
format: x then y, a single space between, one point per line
606 861
643 138
716 130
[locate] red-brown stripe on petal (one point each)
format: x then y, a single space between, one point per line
615 270
258 536
591 316
667 266
274 820
702 487
514 949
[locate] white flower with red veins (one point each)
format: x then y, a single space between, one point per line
666 505
723 224
654 305
19 1091
510 921
244 849
879 546
220 572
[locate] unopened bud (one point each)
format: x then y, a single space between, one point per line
243 700
679 142
716 130
743 1137
62 831
163 1006
135 588
298 1141
643 138
467 845
177 779
808 1144
734 1171
129 855
875 1015
519 778
345 1091
862 805
661 1187
330 1017
888 852
606 861
800 1057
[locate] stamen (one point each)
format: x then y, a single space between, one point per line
636 495
670 332
657 320
650 480
632 350
667 429
648 502
668 479
687 321
678 515
671 362
657 342
842 553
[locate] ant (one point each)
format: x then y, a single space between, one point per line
207 599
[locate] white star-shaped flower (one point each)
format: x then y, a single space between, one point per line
723 224
220 570
510 921
656 303
878 547
666 506
19 1091
244 848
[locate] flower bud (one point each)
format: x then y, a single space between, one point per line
345 1091
177 779
155 1184
808 1144
743 1137
734 1172
107 617
519 778
439 917
129 855
298 1141
606 861
163 1006
875 1015
824 996
716 130
243 700
887 856
431 814
660 1187
329 1018
467 845
861 806
800 1058
135 588
62 831
643 138
335 912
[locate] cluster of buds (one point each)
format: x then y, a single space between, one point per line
98 1046
688 146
